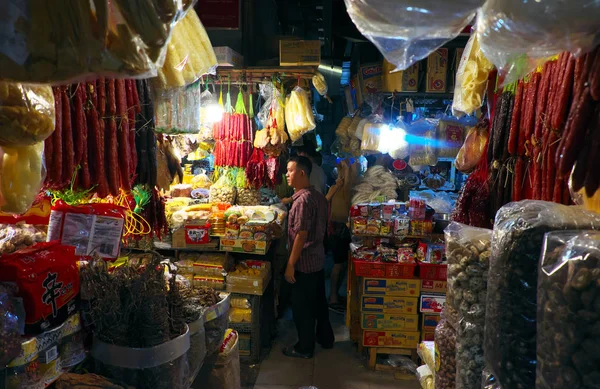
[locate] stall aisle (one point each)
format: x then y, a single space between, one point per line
339 368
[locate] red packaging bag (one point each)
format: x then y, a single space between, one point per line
91 228
47 280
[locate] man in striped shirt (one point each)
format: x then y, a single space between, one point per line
307 224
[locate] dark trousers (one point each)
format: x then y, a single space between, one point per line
309 306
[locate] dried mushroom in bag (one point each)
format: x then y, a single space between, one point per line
445 346
510 322
568 311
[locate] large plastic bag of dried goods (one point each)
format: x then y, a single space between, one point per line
299 118
421 140
450 136
177 111
511 31
83 39
468 254
371 138
26 113
23 174
407 31
568 310
445 347
189 54
471 151
223 191
510 321
471 79
226 372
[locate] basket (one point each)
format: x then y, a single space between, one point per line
428 271
400 270
384 270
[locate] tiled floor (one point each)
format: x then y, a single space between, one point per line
339 368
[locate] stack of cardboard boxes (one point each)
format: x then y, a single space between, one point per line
431 303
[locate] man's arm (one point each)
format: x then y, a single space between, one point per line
297 247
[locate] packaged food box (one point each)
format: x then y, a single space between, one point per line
391 287
432 303
389 304
251 278
390 321
370 79
299 53
215 282
226 56
400 81
372 338
245 246
437 69
428 336
434 286
429 321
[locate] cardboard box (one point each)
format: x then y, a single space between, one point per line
432 303
370 78
390 321
389 304
434 286
428 336
430 321
259 247
400 81
180 238
437 70
226 56
390 339
299 53
245 342
250 284
391 287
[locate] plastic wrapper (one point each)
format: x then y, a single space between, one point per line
226 371
518 35
248 196
568 310
425 377
450 136
471 79
299 118
426 350
189 54
23 173
320 84
216 321
407 31
445 350
468 254
163 366
81 39
207 264
197 351
371 138
18 236
510 326
223 191
26 114
471 151
421 138
9 326
177 111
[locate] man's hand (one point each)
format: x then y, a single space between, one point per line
287 200
290 274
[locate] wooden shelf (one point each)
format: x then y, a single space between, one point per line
256 73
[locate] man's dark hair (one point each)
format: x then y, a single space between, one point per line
302 163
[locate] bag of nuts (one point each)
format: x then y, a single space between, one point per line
568 311
468 254
511 314
445 350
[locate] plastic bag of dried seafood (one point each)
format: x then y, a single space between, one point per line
510 321
568 310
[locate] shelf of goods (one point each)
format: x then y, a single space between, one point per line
245 318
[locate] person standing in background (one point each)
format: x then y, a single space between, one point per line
318 179
307 226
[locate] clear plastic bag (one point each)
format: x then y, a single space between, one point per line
177 111
23 173
421 138
468 254
9 326
189 54
299 118
518 35
223 191
568 310
320 84
46 43
26 114
15 237
445 349
510 323
425 377
450 135
471 151
371 138
407 31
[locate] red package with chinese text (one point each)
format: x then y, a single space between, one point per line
47 280
91 228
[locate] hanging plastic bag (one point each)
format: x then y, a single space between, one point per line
450 135
46 43
567 285
189 54
23 173
407 31
471 151
519 35
421 138
299 118
26 113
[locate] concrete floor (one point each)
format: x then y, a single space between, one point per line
339 368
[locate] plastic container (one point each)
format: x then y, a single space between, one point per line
197 351
216 322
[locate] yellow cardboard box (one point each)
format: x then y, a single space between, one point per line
433 286
390 321
391 287
437 70
390 339
389 304
299 53
370 78
400 81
